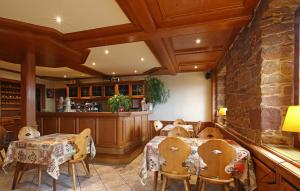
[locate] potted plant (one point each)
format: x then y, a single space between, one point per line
155 92
119 103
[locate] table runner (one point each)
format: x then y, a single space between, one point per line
242 166
50 150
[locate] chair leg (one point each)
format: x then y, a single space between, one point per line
40 175
22 173
85 168
203 185
187 186
226 187
164 184
74 176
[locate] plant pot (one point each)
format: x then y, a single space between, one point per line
121 109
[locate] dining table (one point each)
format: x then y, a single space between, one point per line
166 129
241 167
49 150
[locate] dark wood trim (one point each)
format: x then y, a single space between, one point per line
296 69
152 70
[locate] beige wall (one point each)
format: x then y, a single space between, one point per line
190 98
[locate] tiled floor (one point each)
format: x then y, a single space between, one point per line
103 178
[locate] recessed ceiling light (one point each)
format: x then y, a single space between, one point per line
58 19
113 73
195 67
65 76
135 71
106 51
94 63
198 40
142 59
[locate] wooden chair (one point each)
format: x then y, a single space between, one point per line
28 133
175 153
178 122
197 128
81 142
158 125
179 131
216 154
210 133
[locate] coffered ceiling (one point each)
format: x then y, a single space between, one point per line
172 35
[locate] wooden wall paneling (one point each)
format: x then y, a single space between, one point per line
84 123
145 128
265 177
107 132
67 125
138 127
128 130
285 186
50 125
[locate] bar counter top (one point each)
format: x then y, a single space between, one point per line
95 114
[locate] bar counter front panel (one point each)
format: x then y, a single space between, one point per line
113 133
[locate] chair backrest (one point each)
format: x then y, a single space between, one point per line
81 142
3 132
210 133
179 131
178 122
157 125
197 128
216 154
175 152
28 133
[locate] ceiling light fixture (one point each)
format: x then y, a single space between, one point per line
198 40
196 67
135 71
142 59
94 63
65 76
113 73
58 19
106 51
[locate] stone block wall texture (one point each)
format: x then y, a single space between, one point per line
259 70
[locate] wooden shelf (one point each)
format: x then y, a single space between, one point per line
10 103
10 109
10 93
2 98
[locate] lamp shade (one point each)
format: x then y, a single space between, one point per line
222 111
292 119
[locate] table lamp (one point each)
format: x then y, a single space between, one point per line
292 119
222 112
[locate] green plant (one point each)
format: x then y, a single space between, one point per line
119 102
156 92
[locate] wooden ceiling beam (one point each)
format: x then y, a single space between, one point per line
160 51
138 12
134 36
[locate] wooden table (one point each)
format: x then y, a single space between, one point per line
50 150
242 165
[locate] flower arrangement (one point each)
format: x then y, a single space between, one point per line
119 103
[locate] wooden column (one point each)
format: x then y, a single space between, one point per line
28 84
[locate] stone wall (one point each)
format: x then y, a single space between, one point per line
259 70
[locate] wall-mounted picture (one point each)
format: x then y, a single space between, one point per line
50 93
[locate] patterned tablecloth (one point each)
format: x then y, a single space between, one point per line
242 166
165 130
50 150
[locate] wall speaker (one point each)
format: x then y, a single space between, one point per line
207 75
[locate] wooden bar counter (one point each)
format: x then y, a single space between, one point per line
118 137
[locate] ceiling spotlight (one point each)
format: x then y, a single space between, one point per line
198 40
135 71
58 19
142 59
106 51
113 73
65 76
196 67
94 63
